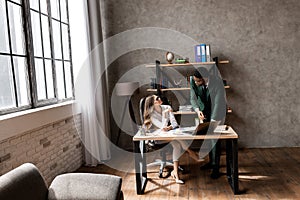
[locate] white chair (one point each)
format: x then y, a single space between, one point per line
151 145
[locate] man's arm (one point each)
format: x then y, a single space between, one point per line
193 96
194 99
218 102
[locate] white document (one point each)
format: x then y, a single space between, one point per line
189 128
220 128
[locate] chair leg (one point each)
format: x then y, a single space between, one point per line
162 163
161 169
157 162
180 169
169 163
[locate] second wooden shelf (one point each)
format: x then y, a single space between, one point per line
188 64
177 89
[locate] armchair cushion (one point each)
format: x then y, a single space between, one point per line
23 182
86 186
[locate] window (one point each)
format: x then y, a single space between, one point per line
35 55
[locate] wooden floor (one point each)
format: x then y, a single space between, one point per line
263 174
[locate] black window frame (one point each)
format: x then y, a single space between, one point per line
32 91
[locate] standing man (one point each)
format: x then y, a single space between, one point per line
208 100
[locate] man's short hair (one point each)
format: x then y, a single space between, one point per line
201 72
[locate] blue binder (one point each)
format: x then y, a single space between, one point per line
197 53
203 52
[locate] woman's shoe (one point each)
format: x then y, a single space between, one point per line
177 180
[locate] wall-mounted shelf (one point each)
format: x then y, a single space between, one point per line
177 89
189 64
168 89
160 73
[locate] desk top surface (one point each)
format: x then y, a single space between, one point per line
186 134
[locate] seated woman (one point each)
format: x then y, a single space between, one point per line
158 116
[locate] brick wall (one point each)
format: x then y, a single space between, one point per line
54 149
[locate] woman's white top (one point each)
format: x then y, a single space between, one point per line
161 120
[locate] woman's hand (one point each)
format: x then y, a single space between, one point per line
168 128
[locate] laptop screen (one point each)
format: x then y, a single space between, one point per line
206 127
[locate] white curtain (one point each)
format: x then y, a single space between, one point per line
90 79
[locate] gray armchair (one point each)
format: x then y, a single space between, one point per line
26 183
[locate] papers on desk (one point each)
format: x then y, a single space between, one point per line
185 131
178 131
221 129
191 129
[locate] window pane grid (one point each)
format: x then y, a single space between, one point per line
46 37
43 6
58 54
14 2
48 44
16 28
21 81
61 94
62 47
13 59
49 79
7 84
40 79
36 33
11 54
34 4
4 46
54 4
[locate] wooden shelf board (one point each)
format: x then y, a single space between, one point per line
192 112
189 64
177 89
184 113
224 62
168 89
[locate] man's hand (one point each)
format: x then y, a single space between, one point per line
200 115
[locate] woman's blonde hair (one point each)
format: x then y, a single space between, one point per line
148 109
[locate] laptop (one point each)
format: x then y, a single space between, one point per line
201 129
206 127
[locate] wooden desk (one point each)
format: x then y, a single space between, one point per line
230 136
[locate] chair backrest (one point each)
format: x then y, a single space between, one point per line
141 109
23 182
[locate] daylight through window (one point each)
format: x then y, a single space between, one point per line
35 54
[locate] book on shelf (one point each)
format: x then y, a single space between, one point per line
197 53
203 52
207 50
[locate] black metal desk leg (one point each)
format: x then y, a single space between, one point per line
232 164
140 166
